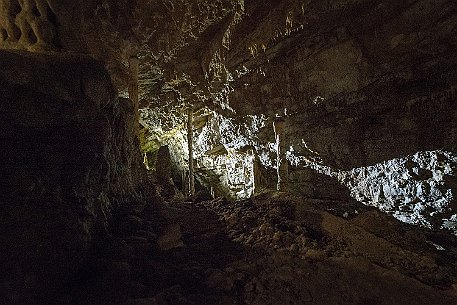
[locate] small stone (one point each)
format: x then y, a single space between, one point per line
315 254
131 224
266 229
147 234
249 287
170 238
346 253
277 236
232 219
287 239
293 248
219 280
229 269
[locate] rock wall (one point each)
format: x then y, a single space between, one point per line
365 87
69 158
367 91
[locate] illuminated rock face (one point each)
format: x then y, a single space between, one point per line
418 189
69 159
366 102
221 167
361 92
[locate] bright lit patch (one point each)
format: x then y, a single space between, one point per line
413 189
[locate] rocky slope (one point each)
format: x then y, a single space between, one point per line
272 249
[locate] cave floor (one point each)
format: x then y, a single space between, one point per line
271 249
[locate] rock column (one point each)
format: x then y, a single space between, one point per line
190 115
281 163
256 166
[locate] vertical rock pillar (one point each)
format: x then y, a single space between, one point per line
133 92
281 163
190 115
257 173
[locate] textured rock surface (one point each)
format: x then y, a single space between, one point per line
69 159
359 84
112 30
417 189
41 25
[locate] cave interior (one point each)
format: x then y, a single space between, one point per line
192 152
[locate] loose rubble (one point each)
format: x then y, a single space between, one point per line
272 249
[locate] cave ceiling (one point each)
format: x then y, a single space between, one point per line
247 56
327 61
